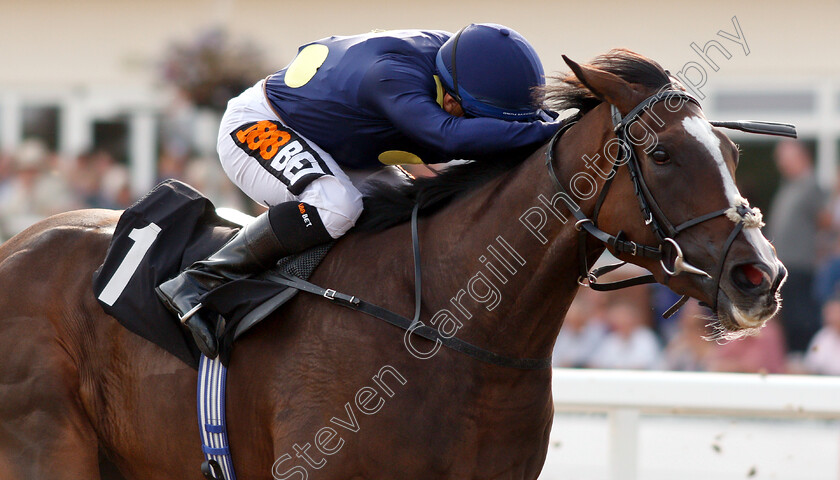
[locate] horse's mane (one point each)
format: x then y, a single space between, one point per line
387 205
630 66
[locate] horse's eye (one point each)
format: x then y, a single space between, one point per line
660 156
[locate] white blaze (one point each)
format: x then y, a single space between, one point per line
702 131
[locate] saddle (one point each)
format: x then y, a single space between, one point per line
163 233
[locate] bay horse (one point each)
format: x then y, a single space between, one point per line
319 391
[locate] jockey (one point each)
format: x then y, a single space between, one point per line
396 97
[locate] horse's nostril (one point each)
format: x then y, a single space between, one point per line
754 275
750 277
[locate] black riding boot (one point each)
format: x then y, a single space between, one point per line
252 250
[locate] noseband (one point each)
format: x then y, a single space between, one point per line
663 229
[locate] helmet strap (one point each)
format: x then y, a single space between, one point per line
456 93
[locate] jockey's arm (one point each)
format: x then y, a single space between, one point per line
399 92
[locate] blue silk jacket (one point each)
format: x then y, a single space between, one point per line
375 99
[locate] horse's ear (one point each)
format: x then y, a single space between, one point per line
607 86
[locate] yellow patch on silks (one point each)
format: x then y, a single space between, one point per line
399 157
305 65
439 88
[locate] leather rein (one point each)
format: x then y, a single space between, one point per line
414 326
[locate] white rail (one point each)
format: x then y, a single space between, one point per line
626 395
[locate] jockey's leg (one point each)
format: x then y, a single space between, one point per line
304 211
284 229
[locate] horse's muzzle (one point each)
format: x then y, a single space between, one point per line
752 294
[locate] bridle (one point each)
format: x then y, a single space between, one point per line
663 229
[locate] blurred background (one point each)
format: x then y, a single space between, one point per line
99 100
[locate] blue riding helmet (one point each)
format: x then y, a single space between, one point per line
491 70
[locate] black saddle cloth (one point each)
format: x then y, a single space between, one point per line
188 230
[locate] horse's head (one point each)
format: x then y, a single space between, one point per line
677 193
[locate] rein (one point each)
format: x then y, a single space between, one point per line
414 326
665 232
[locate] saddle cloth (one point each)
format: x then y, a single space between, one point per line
164 232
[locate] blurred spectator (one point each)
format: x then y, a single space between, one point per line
689 350
94 180
792 228
35 191
762 353
629 344
116 188
581 335
640 295
6 168
827 278
823 356
172 164
662 298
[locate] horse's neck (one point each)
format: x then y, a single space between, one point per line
508 286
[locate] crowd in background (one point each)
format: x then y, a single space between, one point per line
622 329
36 183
